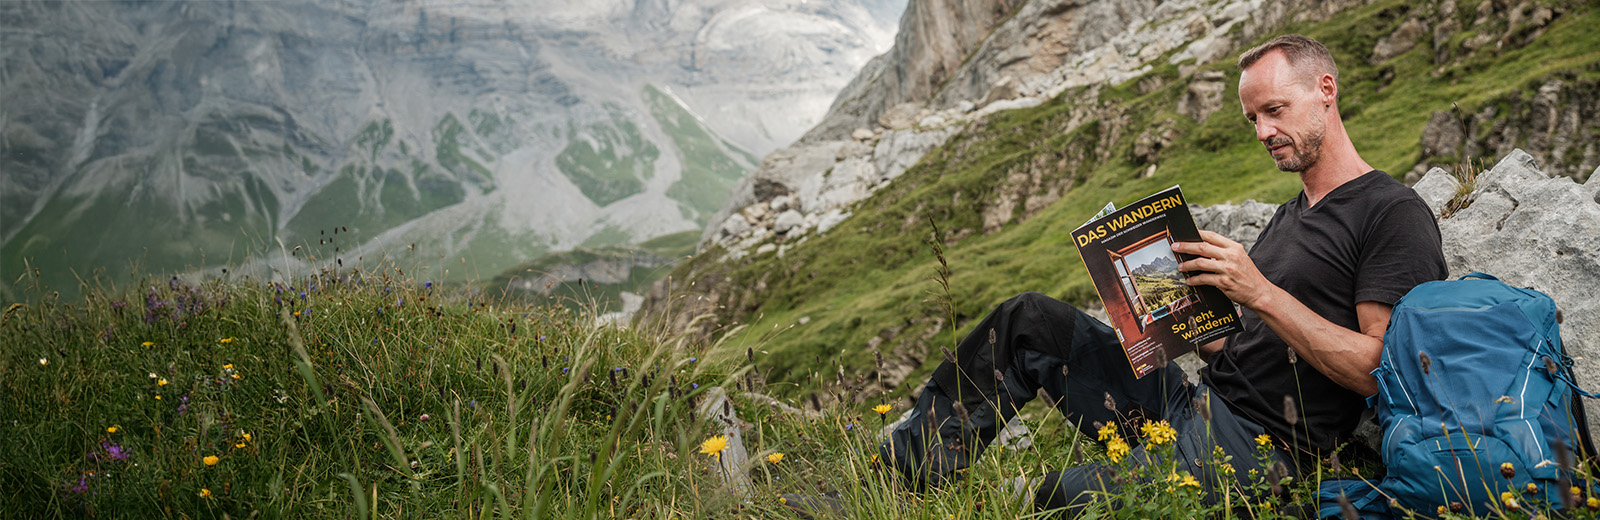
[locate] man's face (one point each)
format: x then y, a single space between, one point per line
1286 109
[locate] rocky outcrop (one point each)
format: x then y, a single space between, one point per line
1559 126
1558 122
934 38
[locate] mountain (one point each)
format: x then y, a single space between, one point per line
1162 266
947 176
202 134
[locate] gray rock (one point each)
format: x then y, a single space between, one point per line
731 462
788 221
1241 222
735 226
1436 188
1442 136
901 116
861 134
898 150
830 219
1204 96
1004 89
1402 40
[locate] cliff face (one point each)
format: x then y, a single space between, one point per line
196 133
1063 106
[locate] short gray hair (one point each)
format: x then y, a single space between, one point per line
1303 53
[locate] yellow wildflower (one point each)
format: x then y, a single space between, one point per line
228 366
1533 488
782 500
210 460
1509 499
1593 503
162 382
1188 480
1116 449
1107 431
205 493
714 445
158 398
882 409
775 458
149 344
237 376
226 340
1442 510
247 437
1227 469
1158 432
1263 440
239 445
112 429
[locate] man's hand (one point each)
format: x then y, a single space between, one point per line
1224 264
1345 356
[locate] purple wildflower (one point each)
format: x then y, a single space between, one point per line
694 386
115 451
693 359
849 427
82 487
541 338
428 284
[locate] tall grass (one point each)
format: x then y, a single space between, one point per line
370 394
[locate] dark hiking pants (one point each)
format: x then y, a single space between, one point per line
1034 342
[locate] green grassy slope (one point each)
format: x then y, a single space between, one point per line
869 277
356 394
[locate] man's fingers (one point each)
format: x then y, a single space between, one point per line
1202 264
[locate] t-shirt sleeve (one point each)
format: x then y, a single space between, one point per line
1402 250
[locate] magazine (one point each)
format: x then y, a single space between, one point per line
1157 316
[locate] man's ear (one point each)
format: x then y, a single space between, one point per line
1328 89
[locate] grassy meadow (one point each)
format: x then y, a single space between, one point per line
370 394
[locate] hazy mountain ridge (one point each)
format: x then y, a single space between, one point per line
489 131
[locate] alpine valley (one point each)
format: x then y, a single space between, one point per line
457 138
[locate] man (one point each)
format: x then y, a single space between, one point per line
1316 292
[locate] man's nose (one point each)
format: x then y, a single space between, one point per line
1265 130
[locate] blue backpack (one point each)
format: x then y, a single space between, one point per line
1476 397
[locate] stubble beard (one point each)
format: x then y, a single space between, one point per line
1305 154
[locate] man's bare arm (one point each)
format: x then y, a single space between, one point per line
1345 356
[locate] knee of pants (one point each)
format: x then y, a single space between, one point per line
1071 488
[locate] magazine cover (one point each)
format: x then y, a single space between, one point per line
1129 256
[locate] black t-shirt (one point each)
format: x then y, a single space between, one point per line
1370 239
